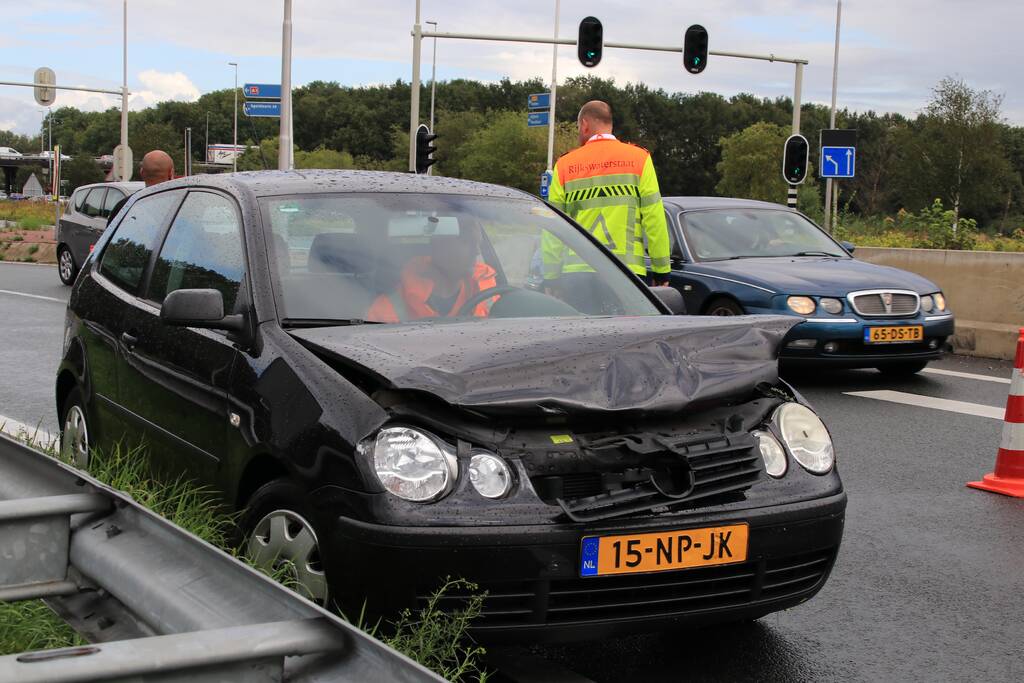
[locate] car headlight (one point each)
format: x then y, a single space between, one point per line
804 305
927 304
772 452
413 465
806 437
833 306
489 475
940 301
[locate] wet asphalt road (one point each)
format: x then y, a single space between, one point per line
929 584
32 302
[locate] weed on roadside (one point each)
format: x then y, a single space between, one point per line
434 637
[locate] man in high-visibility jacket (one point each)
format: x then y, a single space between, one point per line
438 284
610 188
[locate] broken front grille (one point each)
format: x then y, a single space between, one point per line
671 474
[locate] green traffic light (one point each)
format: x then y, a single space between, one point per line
696 61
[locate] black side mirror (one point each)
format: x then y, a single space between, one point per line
672 298
199 308
848 246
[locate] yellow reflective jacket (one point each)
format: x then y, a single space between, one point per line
610 188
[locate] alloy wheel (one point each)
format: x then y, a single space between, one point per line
74 439
285 545
66 265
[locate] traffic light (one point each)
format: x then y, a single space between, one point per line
695 49
424 150
794 159
590 42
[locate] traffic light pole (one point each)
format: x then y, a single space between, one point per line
414 99
418 35
798 83
554 91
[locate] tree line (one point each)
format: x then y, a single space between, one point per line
957 149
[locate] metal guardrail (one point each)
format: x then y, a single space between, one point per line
158 603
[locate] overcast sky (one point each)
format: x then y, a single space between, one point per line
892 53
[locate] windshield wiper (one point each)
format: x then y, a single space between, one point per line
299 323
815 253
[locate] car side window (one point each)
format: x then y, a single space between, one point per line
113 197
203 250
80 200
93 206
126 256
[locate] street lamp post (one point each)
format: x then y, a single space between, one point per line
433 87
285 160
234 139
125 171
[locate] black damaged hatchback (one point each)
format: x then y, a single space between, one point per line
400 379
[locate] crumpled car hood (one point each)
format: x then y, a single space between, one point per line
565 365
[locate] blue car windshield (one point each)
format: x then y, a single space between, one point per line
722 234
402 257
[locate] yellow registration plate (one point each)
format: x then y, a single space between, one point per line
893 335
663 551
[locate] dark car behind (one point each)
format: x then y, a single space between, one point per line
84 220
737 256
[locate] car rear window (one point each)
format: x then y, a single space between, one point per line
126 256
113 197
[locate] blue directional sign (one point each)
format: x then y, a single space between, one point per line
267 109
838 162
262 91
537 118
540 100
545 184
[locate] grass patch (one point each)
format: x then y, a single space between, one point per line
31 625
430 636
27 215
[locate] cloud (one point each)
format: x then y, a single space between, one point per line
160 87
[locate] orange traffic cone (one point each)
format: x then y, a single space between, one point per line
1008 477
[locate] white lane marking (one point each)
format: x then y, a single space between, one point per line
966 375
961 407
20 430
32 296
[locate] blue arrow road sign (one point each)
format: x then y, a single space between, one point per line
545 184
838 162
262 109
537 118
540 100
262 91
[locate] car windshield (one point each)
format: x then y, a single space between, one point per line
403 257
751 233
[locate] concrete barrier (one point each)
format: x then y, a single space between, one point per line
985 289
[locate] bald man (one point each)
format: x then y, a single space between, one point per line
610 188
156 167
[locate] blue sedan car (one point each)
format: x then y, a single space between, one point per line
735 257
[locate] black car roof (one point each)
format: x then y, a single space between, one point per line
314 181
694 203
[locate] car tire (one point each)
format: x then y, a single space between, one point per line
75 435
902 369
280 539
723 306
66 268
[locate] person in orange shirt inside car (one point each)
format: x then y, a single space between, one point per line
438 284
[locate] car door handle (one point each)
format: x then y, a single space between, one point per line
129 340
